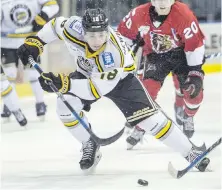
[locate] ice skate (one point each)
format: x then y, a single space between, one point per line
128 128
90 157
188 126
193 154
20 117
5 115
41 110
135 137
179 114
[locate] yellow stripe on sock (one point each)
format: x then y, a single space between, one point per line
164 130
75 122
7 91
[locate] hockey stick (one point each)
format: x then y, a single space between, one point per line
99 141
19 33
212 56
180 173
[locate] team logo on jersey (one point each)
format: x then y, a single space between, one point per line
108 59
162 43
20 15
84 64
77 26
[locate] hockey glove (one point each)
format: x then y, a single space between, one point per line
33 46
61 81
40 20
139 40
194 83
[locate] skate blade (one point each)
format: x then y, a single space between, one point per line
129 146
5 120
92 169
41 118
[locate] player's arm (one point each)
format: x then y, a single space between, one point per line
128 26
34 45
49 9
193 40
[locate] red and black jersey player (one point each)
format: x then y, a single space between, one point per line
174 43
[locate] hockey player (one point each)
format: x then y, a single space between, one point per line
18 19
174 43
104 68
10 99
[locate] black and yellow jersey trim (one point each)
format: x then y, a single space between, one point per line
113 39
100 69
6 91
93 89
53 21
75 122
74 39
94 54
164 130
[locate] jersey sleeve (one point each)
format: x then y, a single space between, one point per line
128 27
193 40
52 30
50 7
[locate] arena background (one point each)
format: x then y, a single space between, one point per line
55 57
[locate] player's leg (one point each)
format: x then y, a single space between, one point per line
10 99
179 102
139 109
156 69
90 150
8 60
191 104
37 90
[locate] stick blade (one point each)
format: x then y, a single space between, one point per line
172 171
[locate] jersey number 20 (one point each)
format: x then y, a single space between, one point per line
127 19
190 31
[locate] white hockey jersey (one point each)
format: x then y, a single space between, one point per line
18 15
103 68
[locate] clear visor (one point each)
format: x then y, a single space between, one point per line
96 39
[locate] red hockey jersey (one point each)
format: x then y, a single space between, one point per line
180 29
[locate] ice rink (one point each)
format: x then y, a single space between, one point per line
46 157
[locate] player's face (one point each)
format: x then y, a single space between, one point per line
96 39
162 6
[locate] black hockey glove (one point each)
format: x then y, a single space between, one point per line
61 81
139 40
40 20
194 83
33 46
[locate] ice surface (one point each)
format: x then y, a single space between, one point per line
45 156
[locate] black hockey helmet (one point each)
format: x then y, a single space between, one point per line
94 20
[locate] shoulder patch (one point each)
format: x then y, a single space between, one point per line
76 25
108 59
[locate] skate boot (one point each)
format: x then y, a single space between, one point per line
188 125
40 110
193 154
128 128
5 114
20 117
135 137
179 114
91 155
